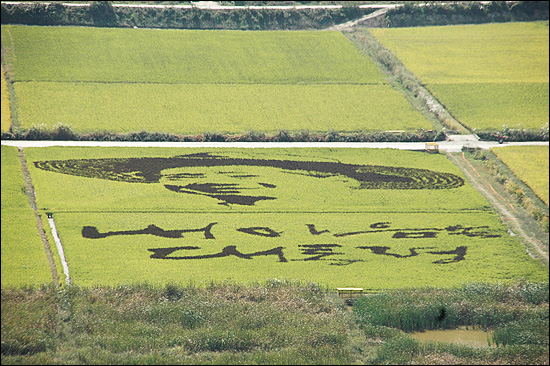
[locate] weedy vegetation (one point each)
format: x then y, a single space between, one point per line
515 317
272 322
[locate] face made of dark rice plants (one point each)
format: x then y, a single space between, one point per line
245 181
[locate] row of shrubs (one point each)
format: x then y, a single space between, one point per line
66 133
103 14
467 12
510 184
515 134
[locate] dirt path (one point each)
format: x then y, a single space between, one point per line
40 226
499 202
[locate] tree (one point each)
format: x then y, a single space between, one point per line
103 13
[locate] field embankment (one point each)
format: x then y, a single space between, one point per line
6 114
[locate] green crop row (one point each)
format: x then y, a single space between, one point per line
530 164
189 109
184 56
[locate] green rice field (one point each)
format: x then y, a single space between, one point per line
365 218
182 81
528 163
24 261
487 75
226 108
70 54
5 105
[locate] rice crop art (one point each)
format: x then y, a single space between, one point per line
340 217
487 75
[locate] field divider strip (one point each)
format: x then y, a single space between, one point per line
479 175
39 225
506 215
60 250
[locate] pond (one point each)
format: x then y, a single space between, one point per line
464 335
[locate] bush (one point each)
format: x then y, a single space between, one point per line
103 13
64 132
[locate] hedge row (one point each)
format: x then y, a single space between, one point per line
66 133
103 14
515 134
468 12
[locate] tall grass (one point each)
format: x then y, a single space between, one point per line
516 315
485 305
274 322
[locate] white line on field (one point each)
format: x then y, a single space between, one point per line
60 250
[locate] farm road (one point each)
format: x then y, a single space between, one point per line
454 143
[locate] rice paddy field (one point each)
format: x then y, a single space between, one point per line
23 258
487 75
181 81
367 218
528 163
5 107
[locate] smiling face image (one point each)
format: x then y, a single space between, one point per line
228 185
243 181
